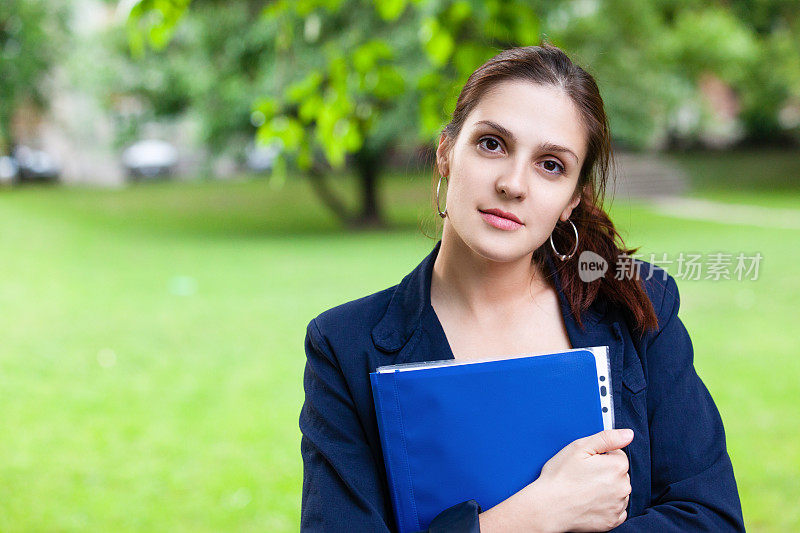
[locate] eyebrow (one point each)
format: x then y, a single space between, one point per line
547 147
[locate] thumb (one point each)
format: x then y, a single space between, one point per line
607 440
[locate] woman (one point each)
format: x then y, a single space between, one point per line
525 158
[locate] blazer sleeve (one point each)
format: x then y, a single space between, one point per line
342 487
693 486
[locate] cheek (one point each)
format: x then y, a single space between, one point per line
466 185
543 217
550 198
556 199
460 195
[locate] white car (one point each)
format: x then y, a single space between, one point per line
28 164
261 158
150 158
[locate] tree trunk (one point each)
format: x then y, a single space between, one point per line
328 197
368 165
369 215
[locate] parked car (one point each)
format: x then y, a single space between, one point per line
34 165
150 158
261 158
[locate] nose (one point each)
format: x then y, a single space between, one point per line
512 184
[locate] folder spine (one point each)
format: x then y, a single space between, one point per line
387 402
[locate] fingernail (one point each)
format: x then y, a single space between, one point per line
628 433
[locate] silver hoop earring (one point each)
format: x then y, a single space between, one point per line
441 213
574 248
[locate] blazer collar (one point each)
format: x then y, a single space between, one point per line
411 300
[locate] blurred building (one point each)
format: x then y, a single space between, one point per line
79 132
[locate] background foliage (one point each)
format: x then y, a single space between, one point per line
358 77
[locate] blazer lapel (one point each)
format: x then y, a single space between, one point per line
410 299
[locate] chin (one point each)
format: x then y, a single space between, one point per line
500 249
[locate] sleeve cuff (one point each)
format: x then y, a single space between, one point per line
462 517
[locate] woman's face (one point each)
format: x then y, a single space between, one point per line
520 151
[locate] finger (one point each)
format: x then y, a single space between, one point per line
620 459
620 519
606 441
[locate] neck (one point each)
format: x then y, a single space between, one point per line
478 287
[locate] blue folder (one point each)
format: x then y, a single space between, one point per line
455 430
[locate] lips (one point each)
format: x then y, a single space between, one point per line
502 214
500 222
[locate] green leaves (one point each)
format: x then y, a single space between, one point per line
334 104
305 88
437 41
713 39
153 22
389 10
353 73
389 83
287 129
367 55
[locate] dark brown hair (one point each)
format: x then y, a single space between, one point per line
549 65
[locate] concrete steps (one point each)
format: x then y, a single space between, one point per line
645 176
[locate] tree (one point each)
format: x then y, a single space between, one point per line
351 78
359 77
32 34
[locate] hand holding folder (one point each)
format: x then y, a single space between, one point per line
453 431
584 487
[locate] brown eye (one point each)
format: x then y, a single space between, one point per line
553 166
490 143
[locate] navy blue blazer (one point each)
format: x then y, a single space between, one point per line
681 475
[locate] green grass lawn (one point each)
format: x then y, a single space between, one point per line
152 348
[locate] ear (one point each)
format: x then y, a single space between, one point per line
565 214
442 161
